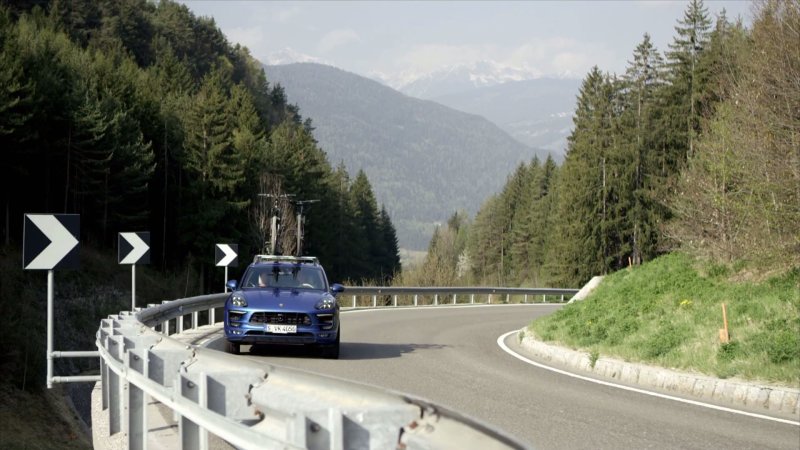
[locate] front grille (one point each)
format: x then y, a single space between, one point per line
280 318
264 337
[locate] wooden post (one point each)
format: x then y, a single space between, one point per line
724 335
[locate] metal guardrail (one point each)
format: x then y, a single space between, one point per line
420 296
256 406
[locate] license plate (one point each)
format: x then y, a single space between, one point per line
281 329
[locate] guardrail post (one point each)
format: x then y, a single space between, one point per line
179 323
508 298
192 435
114 390
195 319
394 300
562 298
211 318
526 298
490 299
454 298
436 299
137 403
415 299
374 301
104 382
544 298
354 301
165 328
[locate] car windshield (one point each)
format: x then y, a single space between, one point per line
289 277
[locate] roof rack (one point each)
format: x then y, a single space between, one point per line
289 259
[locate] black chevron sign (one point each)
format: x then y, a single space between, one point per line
226 255
134 248
51 241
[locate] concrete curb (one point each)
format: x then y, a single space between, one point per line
587 289
776 399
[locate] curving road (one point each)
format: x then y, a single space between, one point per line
450 356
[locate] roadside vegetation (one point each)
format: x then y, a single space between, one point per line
681 183
693 148
669 312
31 416
39 421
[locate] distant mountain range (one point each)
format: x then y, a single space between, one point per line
533 109
536 112
459 78
424 160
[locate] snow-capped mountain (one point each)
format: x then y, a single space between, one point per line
453 79
291 56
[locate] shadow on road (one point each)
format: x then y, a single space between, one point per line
363 350
349 350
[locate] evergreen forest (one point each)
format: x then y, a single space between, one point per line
139 115
694 148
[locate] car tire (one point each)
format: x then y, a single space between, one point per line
231 347
332 351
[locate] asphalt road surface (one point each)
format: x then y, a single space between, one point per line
450 356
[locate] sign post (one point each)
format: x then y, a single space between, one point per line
225 255
133 248
50 241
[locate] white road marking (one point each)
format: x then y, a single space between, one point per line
502 344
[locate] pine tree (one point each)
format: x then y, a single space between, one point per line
16 98
209 147
643 138
687 78
213 168
589 220
390 261
347 245
367 217
539 220
485 243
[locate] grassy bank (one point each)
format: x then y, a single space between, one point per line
668 312
39 420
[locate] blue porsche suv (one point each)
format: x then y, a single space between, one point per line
283 300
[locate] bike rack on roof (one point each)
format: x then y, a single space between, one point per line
289 259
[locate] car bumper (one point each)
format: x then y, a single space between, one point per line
250 336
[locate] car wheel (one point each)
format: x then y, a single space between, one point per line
332 351
231 347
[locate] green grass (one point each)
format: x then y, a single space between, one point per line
668 312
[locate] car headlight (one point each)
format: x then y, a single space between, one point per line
238 299
326 303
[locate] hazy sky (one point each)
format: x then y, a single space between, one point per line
401 39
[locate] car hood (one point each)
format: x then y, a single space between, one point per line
300 300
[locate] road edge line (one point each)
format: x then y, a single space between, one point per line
501 343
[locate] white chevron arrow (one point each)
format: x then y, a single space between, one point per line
230 255
140 247
61 242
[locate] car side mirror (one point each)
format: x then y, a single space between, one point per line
337 288
232 284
